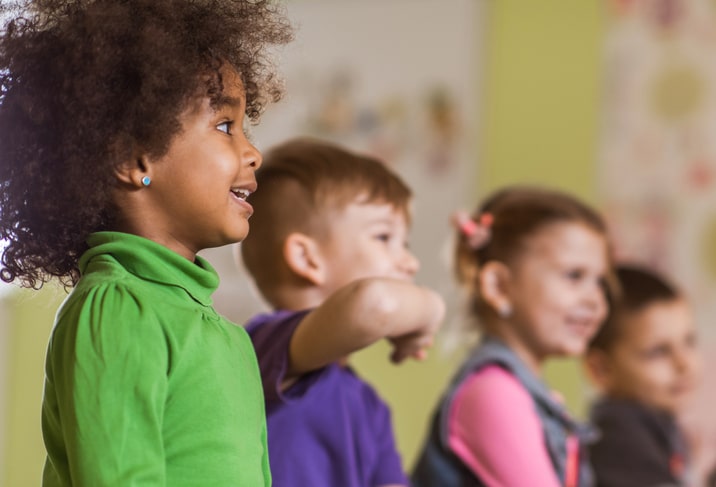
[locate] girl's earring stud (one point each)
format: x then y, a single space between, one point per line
505 310
146 181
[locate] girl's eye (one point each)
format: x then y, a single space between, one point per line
383 237
226 127
656 352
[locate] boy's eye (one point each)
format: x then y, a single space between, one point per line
383 237
226 127
575 275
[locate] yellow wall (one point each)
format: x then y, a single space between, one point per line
539 117
31 315
542 91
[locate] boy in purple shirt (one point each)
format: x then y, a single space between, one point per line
328 250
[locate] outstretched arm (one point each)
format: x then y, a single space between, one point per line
362 313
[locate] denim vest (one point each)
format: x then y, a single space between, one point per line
438 466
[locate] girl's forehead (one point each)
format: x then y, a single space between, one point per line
218 89
562 246
232 82
565 237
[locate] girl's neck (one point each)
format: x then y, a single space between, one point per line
146 227
506 333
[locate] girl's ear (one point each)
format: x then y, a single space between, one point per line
303 257
135 172
596 363
493 280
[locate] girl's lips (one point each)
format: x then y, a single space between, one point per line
242 193
581 326
243 203
244 190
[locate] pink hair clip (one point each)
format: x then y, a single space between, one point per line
477 232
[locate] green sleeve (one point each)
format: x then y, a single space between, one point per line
109 359
265 466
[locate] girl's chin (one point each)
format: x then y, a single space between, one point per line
575 348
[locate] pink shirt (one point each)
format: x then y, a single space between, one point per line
494 429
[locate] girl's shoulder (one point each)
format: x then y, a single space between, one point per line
110 296
496 381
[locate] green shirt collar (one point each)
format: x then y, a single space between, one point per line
154 262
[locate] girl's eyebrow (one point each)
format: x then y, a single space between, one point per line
229 101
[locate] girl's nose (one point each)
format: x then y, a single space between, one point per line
597 300
250 155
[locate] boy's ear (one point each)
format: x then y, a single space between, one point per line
596 364
493 281
134 170
303 257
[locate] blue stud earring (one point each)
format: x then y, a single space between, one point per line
146 180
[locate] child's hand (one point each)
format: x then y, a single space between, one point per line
415 345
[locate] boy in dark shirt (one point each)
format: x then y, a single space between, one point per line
644 359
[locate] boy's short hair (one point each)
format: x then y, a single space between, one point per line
639 288
300 184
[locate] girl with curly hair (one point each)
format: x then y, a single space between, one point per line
123 155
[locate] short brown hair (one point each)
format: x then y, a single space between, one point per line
300 182
517 213
640 287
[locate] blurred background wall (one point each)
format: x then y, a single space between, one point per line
461 97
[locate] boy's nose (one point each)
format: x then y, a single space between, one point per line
684 361
409 263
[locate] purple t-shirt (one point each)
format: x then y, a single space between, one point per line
329 429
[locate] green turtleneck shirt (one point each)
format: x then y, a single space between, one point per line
146 385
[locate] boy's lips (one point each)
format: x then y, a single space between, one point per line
682 388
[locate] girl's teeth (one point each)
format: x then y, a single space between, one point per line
241 193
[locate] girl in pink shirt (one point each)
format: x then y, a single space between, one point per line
535 263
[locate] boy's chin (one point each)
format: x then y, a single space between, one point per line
673 407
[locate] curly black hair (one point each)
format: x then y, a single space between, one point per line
83 83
